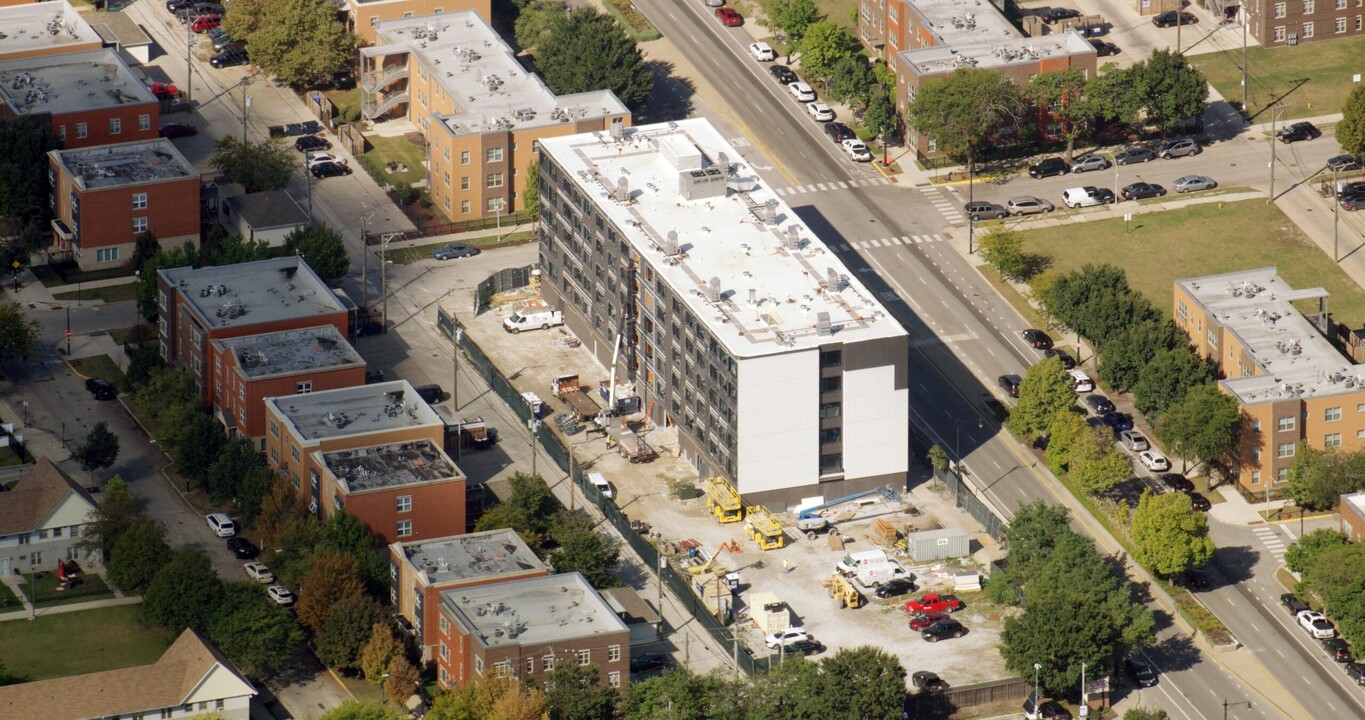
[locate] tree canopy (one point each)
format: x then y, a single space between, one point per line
184 591
792 17
323 248
302 42
589 51
1301 555
1350 132
1130 348
117 511
1097 302
266 165
1045 392
1003 248
1168 378
824 46
333 578
1169 536
1318 477
1205 426
576 692
24 144
536 21
1170 89
203 440
1062 93
257 634
961 110
1335 582
356 710
100 449
18 332
343 634
138 554
583 549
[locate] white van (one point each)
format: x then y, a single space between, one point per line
1080 381
532 320
600 482
874 574
852 561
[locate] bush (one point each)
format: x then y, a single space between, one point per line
405 194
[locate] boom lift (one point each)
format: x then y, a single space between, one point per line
764 528
723 501
811 522
730 547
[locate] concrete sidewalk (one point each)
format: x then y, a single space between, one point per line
73 607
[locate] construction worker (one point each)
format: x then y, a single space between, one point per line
786 565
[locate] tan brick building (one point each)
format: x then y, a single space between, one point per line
90 98
453 77
421 571
1293 386
373 450
363 16
103 197
521 629
925 40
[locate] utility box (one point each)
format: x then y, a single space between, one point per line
942 544
768 613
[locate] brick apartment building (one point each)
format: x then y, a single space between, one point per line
1277 23
373 450
45 28
199 305
453 77
90 98
251 368
421 571
103 197
363 16
1293 386
925 40
1352 516
520 629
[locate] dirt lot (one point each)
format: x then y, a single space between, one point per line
644 491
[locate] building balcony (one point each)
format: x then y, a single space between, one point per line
375 105
375 80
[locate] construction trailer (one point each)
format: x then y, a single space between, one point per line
768 613
723 501
764 528
931 545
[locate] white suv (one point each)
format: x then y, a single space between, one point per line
221 525
1080 381
801 91
762 52
1155 461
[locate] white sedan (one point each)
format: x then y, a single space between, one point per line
318 158
1317 624
786 637
1154 461
801 91
856 150
820 112
259 572
1194 183
762 52
280 594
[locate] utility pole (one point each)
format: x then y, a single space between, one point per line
308 183
384 274
1274 116
1336 213
455 366
534 426
189 65
246 110
1179 15
971 195
1246 70
68 331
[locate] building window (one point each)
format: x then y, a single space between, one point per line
614 679
1309 6
275 457
1308 30
1331 440
404 528
464 157
464 182
831 461
493 155
494 180
115 126
502 669
530 666
144 122
35 558
831 384
1341 4
303 388
1280 9
1285 423
1213 339
464 207
830 410
441 623
478 665
139 224
1284 450
1332 414
1255 426
404 503
1341 25
831 358
445 676
495 205
445 178
374 21
830 435
338 503
547 663
613 653
274 429
81 131
445 651
584 657
1281 475
1279 33
106 255
1255 477
294 452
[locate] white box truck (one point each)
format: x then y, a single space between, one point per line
532 320
852 561
874 574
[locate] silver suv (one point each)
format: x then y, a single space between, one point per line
981 210
1028 205
1179 148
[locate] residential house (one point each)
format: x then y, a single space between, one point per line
42 518
267 216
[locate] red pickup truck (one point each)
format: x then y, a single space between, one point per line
933 602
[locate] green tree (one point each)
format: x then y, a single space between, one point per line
345 533
301 42
1097 302
378 652
403 680
880 117
233 249
333 578
1062 94
1045 392
280 508
1335 582
491 698
138 554
1169 536
528 510
1033 536
589 51
1003 248
1350 132
145 247
258 635
143 362
1301 555
792 17
356 710
18 334
1098 464
323 248
938 459
677 694
1168 378
184 256
536 21
24 144
1064 436
530 197
1113 95
1170 89
117 511
100 449
851 81
266 165
202 442
345 631
583 549
1130 348
229 465
243 17
960 111
1205 426
184 592
866 683
823 46
1318 477
576 692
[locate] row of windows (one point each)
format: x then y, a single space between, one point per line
55 534
1310 7
1308 29
144 123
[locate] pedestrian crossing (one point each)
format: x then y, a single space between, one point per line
944 204
885 242
1271 540
825 186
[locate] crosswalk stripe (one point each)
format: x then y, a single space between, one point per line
782 192
843 186
920 239
820 186
906 240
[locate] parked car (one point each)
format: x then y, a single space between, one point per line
222 40
329 169
1080 382
101 389
1179 147
801 91
1134 440
924 620
729 17
1154 461
1140 672
241 548
933 602
1010 384
1088 163
855 149
204 23
1051 15
280 594
1173 18
894 587
978 210
221 525
1293 604
804 647
1316 624
1134 154
786 637
311 143
1087 196
230 58
1194 183
1142 190
1028 205
1099 404
1342 163
1199 502
838 132
782 74
1298 131
1337 649
944 629
178 130
927 682
1118 421
1104 48
649 662
259 572
762 52
1177 482
1353 203
455 250
820 112
1068 362
1049 167
1037 338
1356 671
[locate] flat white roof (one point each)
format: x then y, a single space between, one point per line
1296 361
133 163
491 91
470 557
358 410
73 81
536 611
255 292
973 33
1356 501
44 25
700 215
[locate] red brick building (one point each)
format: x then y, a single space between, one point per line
421 571
521 629
1353 516
251 368
91 98
199 305
374 450
29 30
102 198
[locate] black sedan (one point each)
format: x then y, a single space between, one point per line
1049 167
1099 403
1135 154
1342 163
1118 421
1199 502
1142 190
242 548
1038 339
803 647
1177 482
1293 604
893 588
949 628
1104 48
1068 362
782 74
1173 18
927 682
329 169
101 389
1052 15
311 143
838 132
1140 672
178 130
229 58
1299 131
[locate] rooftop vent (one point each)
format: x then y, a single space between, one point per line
670 243
712 290
770 211
822 325
792 239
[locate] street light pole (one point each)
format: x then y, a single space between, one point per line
1227 705
1037 696
1274 116
1336 213
246 109
189 65
534 426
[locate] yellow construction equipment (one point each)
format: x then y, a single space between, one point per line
723 501
843 590
730 547
764 528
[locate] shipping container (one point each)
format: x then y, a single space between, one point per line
933 545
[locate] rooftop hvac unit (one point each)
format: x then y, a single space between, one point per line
822 325
792 240
770 211
622 193
832 277
712 290
670 243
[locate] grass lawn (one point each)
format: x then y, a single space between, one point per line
345 101
110 294
141 332
101 366
384 150
80 642
403 256
9 602
1200 240
92 587
1315 83
840 11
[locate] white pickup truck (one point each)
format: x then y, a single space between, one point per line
1087 196
532 320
